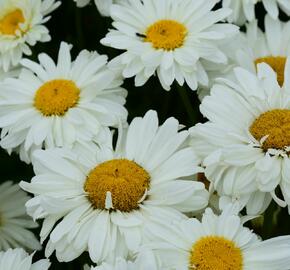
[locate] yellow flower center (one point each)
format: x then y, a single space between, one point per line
10 23
166 34
278 65
215 253
126 181
56 97
276 125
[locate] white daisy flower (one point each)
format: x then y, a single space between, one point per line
102 201
169 38
21 26
219 243
18 259
244 10
245 144
145 261
254 47
271 47
14 222
60 104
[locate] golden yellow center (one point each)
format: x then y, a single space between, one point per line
56 97
166 34
278 65
215 253
124 179
276 125
10 23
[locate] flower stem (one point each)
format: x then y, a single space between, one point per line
187 104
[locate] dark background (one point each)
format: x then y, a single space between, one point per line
83 28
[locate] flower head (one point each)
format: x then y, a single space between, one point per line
18 259
218 243
102 201
167 43
63 104
245 144
21 26
245 9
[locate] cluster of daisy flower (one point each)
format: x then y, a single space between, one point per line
140 194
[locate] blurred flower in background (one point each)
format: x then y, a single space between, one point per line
252 47
15 224
18 259
244 10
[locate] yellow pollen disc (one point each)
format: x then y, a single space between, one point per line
56 97
276 124
278 65
9 24
166 34
215 253
125 179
